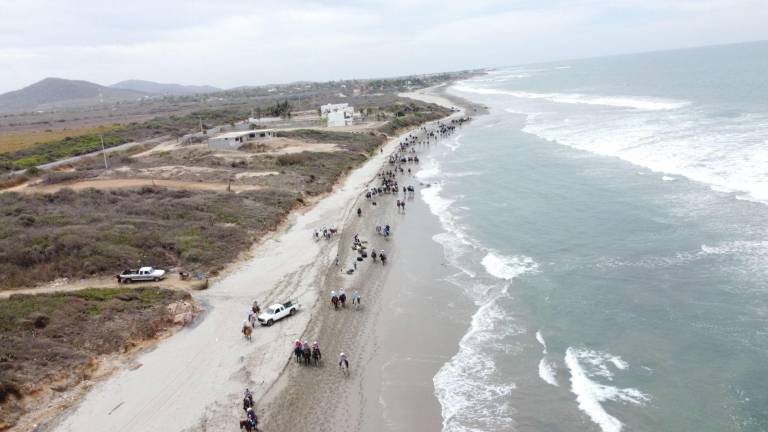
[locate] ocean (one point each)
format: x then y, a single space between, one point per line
609 220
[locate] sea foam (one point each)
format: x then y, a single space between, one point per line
472 393
547 372
546 368
507 268
585 366
632 102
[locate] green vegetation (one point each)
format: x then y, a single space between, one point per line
278 109
68 147
410 115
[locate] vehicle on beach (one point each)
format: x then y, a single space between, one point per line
277 312
142 274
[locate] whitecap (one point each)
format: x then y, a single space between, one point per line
584 365
547 372
633 102
505 267
541 340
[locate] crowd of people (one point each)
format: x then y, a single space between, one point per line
399 163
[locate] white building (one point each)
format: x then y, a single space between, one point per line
338 114
233 140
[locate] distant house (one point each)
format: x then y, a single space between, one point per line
338 114
233 140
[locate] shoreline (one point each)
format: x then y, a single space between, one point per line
295 261
303 394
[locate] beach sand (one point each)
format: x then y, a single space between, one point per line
390 341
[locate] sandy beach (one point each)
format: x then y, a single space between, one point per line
392 359
194 380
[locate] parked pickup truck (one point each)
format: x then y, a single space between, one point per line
142 274
277 312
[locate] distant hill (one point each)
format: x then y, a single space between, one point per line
163 89
52 92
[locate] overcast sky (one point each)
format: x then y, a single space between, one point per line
228 43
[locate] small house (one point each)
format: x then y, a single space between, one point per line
233 140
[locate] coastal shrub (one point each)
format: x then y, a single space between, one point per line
95 232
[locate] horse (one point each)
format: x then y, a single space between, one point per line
343 299
298 351
316 355
247 403
247 330
335 302
249 424
307 353
383 259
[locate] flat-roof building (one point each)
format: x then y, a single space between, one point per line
233 140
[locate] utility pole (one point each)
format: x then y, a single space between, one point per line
104 152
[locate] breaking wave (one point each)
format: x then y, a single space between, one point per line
586 367
472 392
633 102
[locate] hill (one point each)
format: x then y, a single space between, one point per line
163 89
52 92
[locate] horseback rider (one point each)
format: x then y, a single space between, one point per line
255 308
359 212
305 346
247 400
251 414
356 298
297 344
343 360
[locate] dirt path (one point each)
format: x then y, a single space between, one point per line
134 183
172 282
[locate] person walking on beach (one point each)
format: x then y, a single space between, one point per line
356 299
343 363
337 261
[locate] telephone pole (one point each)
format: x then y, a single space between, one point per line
104 152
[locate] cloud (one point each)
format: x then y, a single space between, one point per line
237 42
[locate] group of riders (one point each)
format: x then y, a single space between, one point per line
324 233
302 350
311 353
340 299
251 421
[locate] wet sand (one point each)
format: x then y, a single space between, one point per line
391 341
421 321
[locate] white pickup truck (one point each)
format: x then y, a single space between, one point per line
142 274
277 312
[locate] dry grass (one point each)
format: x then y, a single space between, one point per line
52 339
94 232
15 141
